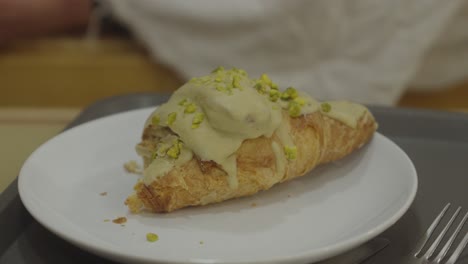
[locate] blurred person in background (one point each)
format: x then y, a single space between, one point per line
368 51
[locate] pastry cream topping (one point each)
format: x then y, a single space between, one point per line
212 115
344 111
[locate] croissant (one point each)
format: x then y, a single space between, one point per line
305 133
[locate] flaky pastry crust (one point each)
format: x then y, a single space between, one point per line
319 139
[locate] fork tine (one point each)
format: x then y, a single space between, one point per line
422 242
449 243
439 238
458 250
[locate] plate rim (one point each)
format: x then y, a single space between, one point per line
114 254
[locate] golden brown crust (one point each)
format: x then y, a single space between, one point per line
319 139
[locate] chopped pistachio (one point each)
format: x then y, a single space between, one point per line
197 120
190 108
152 237
290 93
266 80
274 95
154 155
294 109
155 120
326 107
171 118
219 69
183 102
260 87
160 150
179 144
219 79
300 100
290 152
173 151
236 82
274 86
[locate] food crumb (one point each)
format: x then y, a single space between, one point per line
106 220
103 194
253 204
120 220
201 242
133 167
152 237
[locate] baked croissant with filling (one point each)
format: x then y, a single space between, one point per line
225 135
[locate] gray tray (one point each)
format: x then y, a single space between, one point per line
437 143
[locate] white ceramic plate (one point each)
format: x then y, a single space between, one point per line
329 211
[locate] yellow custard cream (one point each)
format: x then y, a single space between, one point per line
212 115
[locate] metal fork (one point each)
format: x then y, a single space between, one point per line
418 258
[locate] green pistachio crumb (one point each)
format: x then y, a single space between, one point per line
274 95
197 120
155 120
183 102
260 87
179 144
219 69
290 93
171 118
274 86
154 155
236 82
294 109
219 79
152 237
161 150
326 107
190 108
173 151
300 100
290 152
266 80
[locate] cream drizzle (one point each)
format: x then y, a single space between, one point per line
280 159
233 111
